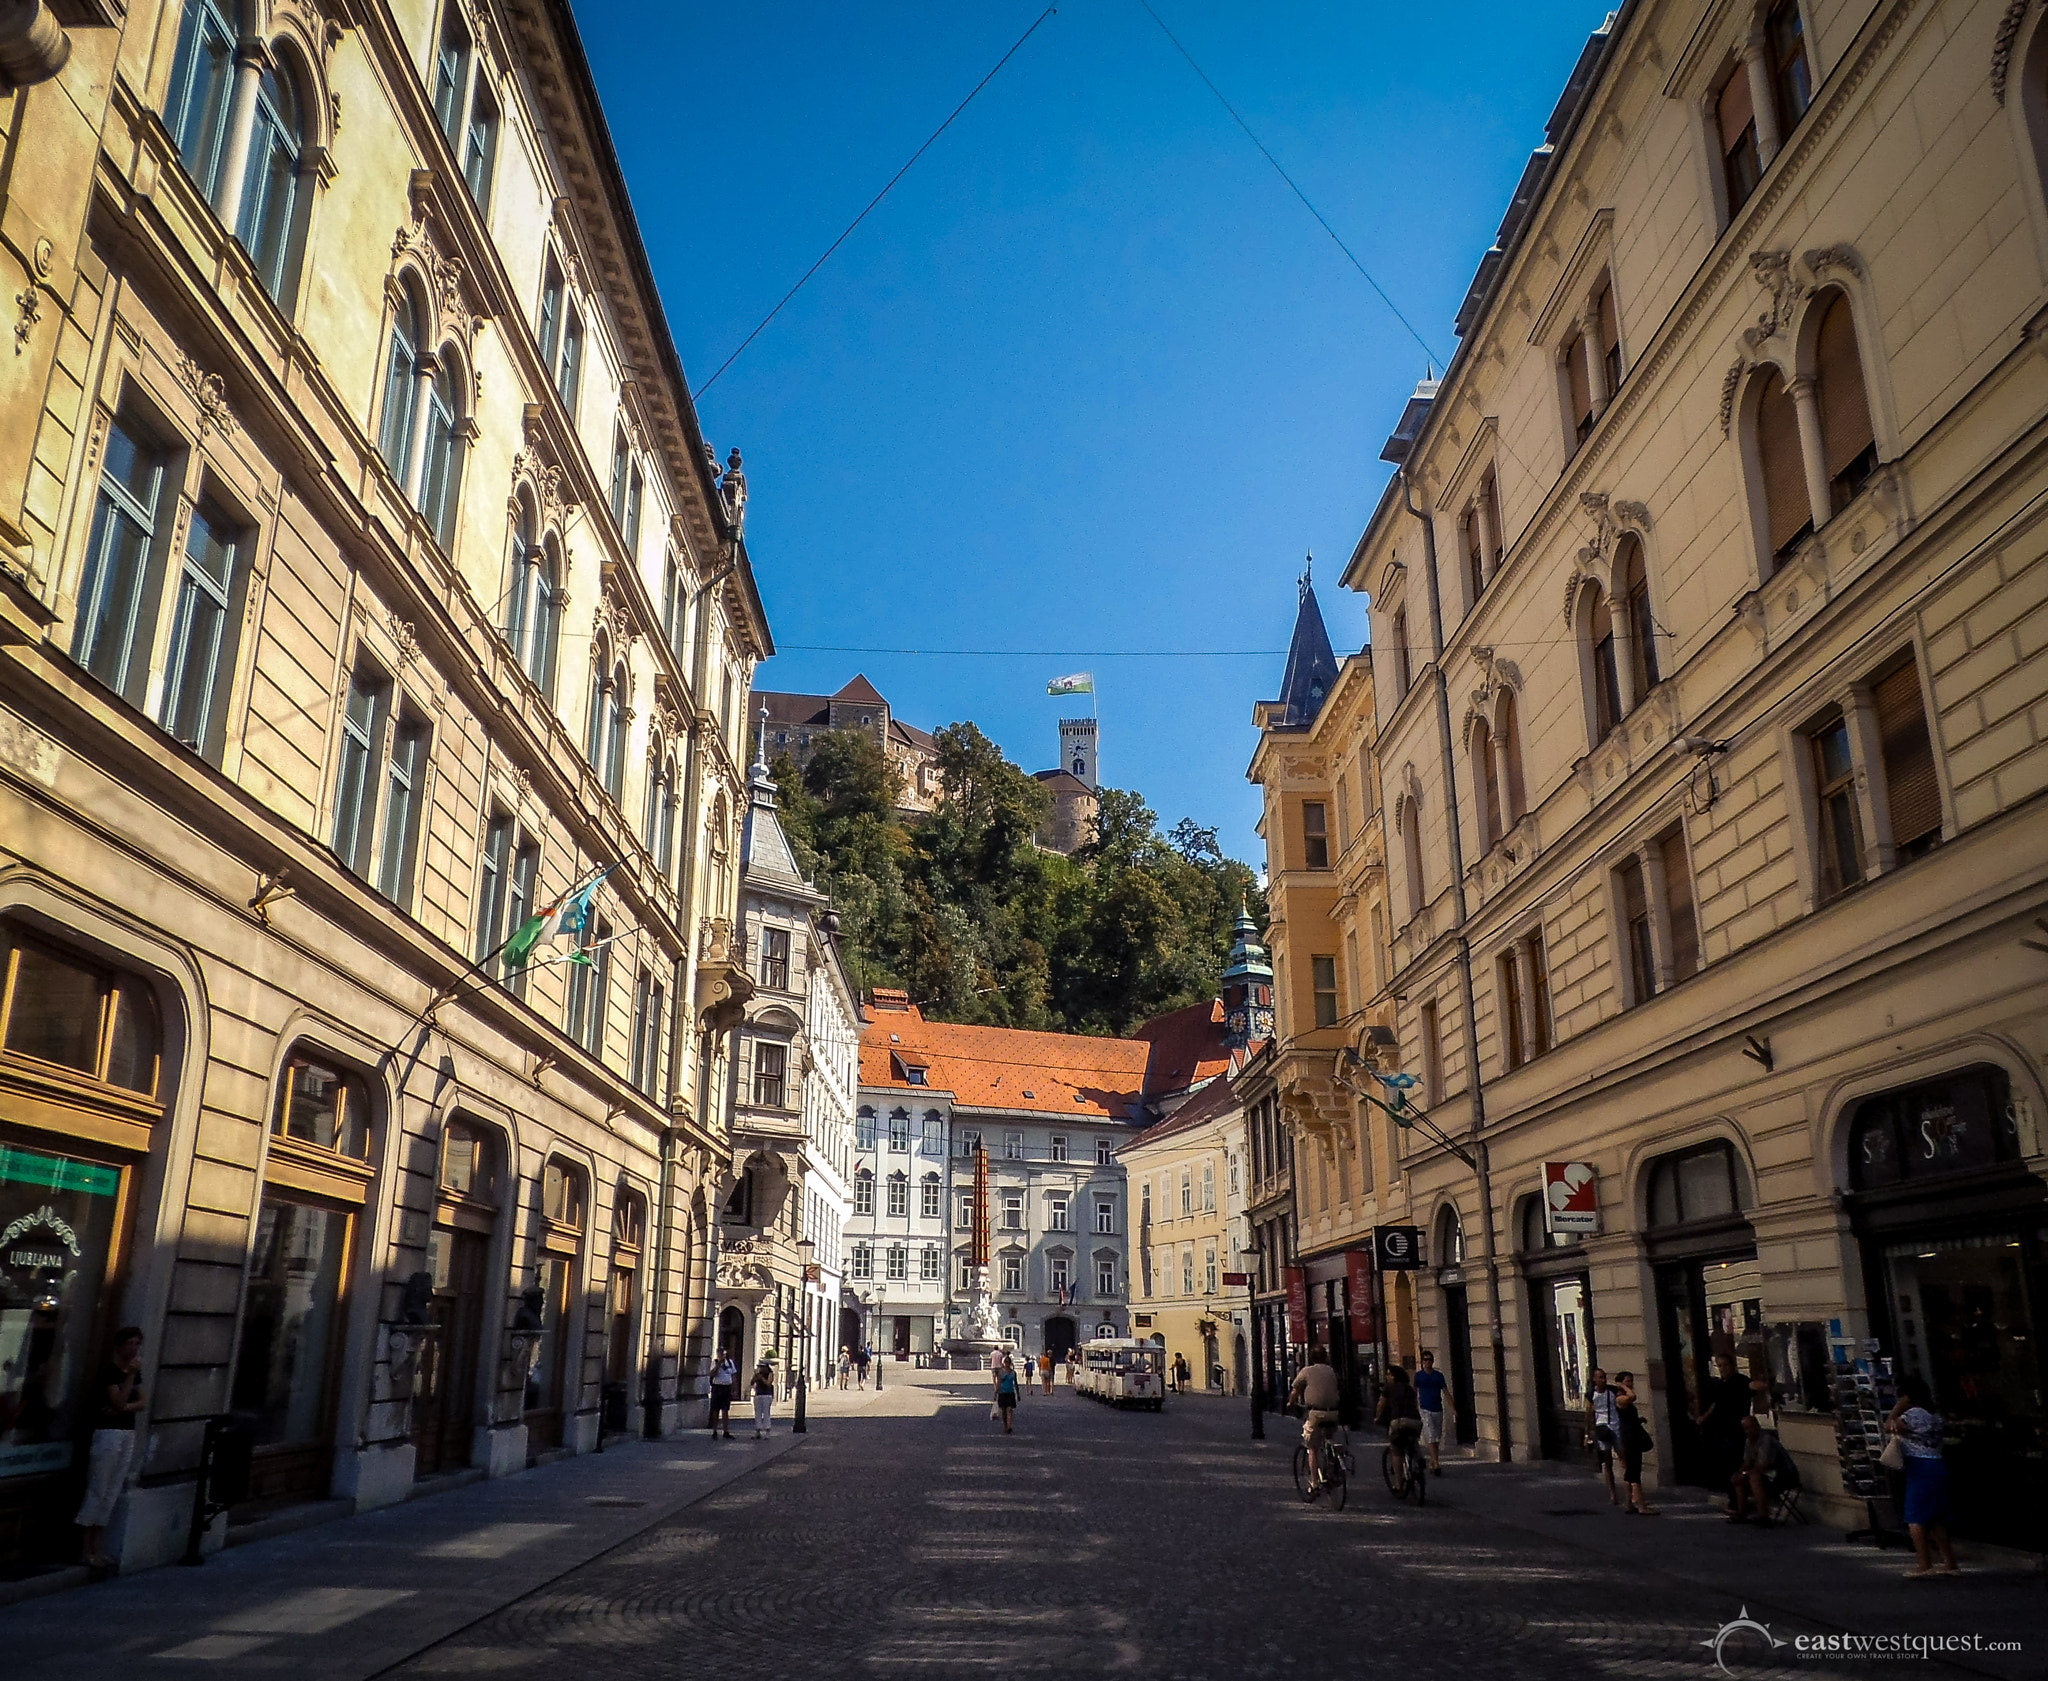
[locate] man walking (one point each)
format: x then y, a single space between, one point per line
1430 1385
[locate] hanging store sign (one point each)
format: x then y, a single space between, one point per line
1397 1248
1358 1297
1571 1198
1297 1305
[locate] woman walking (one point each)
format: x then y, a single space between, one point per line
1006 1392
723 1376
1635 1442
764 1397
113 1442
845 1365
1919 1430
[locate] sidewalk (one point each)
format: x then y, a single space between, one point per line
1798 1579
350 1598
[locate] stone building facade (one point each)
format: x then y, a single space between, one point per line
1707 611
366 586
796 721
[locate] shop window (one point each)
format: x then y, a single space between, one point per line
323 1106
1959 1122
65 1010
1707 1183
562 1194
112 634
290 1322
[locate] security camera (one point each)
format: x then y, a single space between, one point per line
1702 744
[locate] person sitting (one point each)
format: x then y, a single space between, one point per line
1317 1392
1764 1460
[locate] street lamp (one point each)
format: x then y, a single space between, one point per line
806 1249
879 1355
1248 1253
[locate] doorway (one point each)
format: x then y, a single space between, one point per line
899 1336
1059 1337
1562 1309
1709 1309
732 1336
1458 1335
849 1329
444 1394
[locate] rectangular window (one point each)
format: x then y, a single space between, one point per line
1400 652
1912 791
1379 946
1637 941
1610 337
1323 984
451 70
1013 1272
1187 1272
110 613
1507 991
861 1261
1208 1187
587 982
657 1013
1105 1152
1145 1202
1315 835
899 1197
965 1215
200 659
1013 1146
494 882
1579 385
1472 540
481 146
864 1130
1678 897
1209 1270
931 1142
864 1193
355 786
1539 994
1058 1273
1059 1146
966 1271
1013 1211
969 1142
1834 785
201 78
1351 962
928 1198
1187 1191
1105 1276
1791 76
899 1133
1343 814
1735 123
1105 1214
928 1265
1432 1054
622 468
775 959
771 1066
636 489
1056 1214
549 329
643 999
569 375
404 796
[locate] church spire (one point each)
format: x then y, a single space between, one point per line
1311 667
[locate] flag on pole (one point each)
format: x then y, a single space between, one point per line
567 918
1074 683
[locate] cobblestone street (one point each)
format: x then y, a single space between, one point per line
905 1536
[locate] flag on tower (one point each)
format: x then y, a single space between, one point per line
1075 683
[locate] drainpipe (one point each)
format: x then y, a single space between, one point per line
1473 1077
33 45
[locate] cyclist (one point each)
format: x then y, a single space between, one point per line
1401 1412
1316 1390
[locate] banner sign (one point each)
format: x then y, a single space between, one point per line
1358 1297
1236 1280
1397 1248
1571 1197
1297 1305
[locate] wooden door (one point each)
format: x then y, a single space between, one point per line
444 1397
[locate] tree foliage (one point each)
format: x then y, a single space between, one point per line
963 910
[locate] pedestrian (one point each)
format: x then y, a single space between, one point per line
1603 1429
1006 1392
723 1376
113 1441
845 1365
764 1398
1724 1403
1918 1428
1763 1456
1634 1442
861 1363
1180 1375
1045 1371
1430 1385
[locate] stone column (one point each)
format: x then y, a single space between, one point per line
1652 861
1813 450
1489 539
1763 99
1624 618
252 58
1525 973
1596 360
1866 751
422 411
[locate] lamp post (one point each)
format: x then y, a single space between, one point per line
879 1356
806 1249
1249 1254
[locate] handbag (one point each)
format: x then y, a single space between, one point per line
1894 1456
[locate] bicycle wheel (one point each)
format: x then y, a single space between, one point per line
1302 1485
1335 1481
1390 1468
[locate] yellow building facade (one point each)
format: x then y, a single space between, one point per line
365 586
1707 611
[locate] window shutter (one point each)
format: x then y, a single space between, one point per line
1734 109
1685 929
1912 792
1844 414
1610 327
1786 507
1575 372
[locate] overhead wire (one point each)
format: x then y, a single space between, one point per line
877 199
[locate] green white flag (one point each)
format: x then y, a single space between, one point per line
1075 683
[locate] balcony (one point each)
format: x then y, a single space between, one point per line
724 988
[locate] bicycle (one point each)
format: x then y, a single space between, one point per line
1335 1467
1407 1473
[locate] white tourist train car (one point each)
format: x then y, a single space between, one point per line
1123 1372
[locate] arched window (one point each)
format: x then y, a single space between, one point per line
201 80
601 726
1486 778
1788 511
864 1129
661 807
527 560
1848 447
322 1105
899 1195
1507 735
1411 846
1448 1247
270 189
1708 1182
1534 1239
1603 671
401 384
615 733
1642 623
441 469
864 1189
929 1206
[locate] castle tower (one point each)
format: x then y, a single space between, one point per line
1077 749
1247 988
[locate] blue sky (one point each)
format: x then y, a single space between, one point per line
1090 378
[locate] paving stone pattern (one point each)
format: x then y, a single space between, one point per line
906 1536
